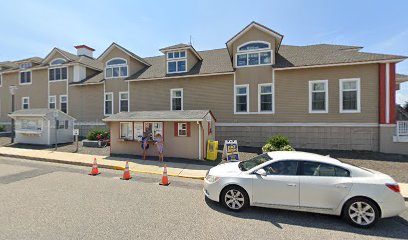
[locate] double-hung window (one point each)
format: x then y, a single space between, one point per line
241 98
176 101
176 62
25 77
25 102
182 129
64 103
57 73
108 103
265 92
52 102
123 102
254 53
126 130
350 95
318 96
116 68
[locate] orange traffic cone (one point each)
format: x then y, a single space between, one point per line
126 173
165 178
95 170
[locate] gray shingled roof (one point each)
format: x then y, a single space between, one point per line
93 79
44 112
325 54
399 75
193 115
214 61
177 46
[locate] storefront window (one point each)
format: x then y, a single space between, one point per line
126 130
31 124
153 128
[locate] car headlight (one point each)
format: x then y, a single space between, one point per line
211 178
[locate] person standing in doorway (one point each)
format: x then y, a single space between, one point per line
160 148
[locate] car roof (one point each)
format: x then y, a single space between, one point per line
297 155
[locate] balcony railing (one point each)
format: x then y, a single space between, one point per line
402 128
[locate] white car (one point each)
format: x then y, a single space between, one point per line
306 182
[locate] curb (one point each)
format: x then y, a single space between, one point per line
90 165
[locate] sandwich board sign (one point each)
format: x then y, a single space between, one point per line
75 132
230 152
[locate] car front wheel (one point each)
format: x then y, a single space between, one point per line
361 212
234 198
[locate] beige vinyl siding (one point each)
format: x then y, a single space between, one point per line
54 56
37 92
133 65
212 92
86 103
191 60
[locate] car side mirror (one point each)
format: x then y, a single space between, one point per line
261 172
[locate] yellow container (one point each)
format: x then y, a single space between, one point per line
212 150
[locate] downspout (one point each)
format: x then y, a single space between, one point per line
199 141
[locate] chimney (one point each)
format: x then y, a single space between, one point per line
83 50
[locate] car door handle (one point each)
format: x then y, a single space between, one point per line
292 184
341 186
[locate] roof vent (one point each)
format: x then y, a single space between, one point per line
83 50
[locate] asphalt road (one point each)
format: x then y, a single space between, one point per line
41 200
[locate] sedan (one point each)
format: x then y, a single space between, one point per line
306 182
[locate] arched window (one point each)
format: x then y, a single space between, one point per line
254 53
116 67
57 61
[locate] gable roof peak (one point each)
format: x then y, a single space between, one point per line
131 54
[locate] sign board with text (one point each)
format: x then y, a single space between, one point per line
76 132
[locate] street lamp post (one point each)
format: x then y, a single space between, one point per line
13 90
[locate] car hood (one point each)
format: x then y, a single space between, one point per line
225 169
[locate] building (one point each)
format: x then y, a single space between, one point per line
43 126
320 96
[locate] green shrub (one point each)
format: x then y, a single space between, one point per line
277 143
2 128
93 134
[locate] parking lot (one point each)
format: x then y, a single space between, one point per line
41 200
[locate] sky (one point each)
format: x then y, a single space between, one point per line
33 28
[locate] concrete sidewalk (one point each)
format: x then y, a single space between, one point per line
136 165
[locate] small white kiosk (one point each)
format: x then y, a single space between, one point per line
43 126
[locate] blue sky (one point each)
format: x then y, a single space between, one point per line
33 28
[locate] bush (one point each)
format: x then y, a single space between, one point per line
93 134
277 143
2 128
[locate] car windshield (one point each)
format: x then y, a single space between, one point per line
246 165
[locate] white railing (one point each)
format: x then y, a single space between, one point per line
402 128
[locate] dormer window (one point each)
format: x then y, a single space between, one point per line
25 65
176 62
57 61
116 68
57 73
254 53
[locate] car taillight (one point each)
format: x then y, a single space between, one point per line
393 186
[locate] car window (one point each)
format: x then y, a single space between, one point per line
324 170
282 168
246 165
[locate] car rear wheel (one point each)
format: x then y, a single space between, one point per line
361 212
234 198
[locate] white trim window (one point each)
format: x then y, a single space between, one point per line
52 102
182 129
126 130
116 68
242 98
56 73
177 62
265 97
25 77
25 65
64 103
318 96
123 102
176 99
350 95
108 103
253 53
25 103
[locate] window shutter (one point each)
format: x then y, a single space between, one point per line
188 130
176 129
